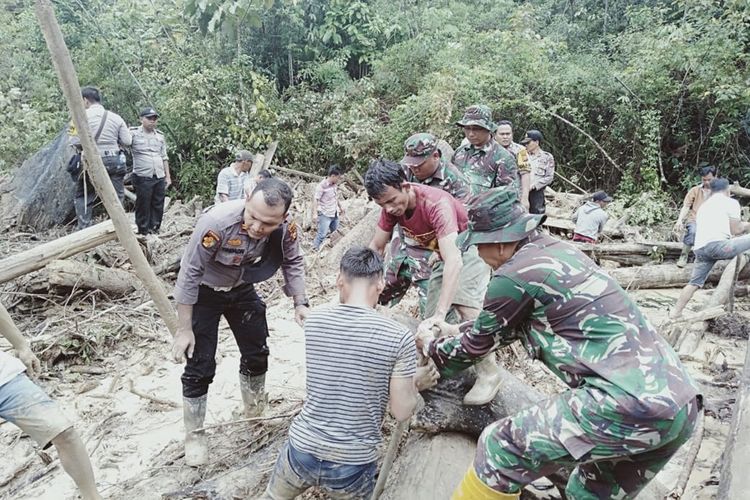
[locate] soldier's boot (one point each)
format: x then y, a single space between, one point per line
196 443
487 383
254 396
472 488
682 261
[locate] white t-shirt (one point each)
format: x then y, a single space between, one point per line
10 367
712 220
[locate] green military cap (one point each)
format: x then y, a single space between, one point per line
479 115
496 216
417 148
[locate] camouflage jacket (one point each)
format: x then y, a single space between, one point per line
489 166
448 178
580 323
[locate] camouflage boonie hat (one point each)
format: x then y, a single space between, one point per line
417 148
496 216
479 115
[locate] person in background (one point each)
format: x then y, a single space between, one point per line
326 206
591 217
251 182
231 181
151 176
690 205
504 136
542 166
357 362
717 223
26 405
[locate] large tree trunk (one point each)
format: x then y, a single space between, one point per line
61 248
74 274
361 234
665 275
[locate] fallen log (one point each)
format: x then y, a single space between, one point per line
361 234
74 274
665 275
734 481
61 248
304 175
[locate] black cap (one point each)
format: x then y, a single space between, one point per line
601 196
149 112
532 135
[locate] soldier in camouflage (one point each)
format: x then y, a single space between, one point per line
410 265
484 162
631 403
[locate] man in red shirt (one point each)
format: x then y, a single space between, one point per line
431 219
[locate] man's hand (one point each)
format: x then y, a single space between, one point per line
677 228
183 344
427 376
28 358
300 314
168 182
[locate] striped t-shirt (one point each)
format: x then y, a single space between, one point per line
351 353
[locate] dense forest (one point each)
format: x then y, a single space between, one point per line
632 95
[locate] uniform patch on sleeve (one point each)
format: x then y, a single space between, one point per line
234 242
292 228
210 239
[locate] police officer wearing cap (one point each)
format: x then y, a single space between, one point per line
151 176
542 165
234 245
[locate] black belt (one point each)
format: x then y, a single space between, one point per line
110 153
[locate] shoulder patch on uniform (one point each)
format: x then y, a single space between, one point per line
234 242
210 239
292 229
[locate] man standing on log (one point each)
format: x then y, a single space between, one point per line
504 137
333 442
542 166
110 133
693 201
631 403
484 162
26 405
233 246
230 185
431 219
151 176
717 221
411 265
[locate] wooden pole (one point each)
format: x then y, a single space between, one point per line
734 481
69 83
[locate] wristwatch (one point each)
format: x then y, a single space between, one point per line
303 302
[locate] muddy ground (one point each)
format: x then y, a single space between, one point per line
107 365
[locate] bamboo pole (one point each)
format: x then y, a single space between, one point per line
69 84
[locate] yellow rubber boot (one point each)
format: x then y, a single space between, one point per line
472 488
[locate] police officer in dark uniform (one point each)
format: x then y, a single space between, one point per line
234 245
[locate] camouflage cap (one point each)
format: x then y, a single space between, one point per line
479 115
417 148
496 216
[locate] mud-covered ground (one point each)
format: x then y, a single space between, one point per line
128 406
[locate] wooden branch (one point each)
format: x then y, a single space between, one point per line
268 156
95 168
579 129
61 248
738 190
734 481
304 175
166 402
74 274
687 468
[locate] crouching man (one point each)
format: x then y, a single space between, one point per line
357 360
631 403
26 405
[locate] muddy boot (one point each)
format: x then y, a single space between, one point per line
682 261
196 443
254 396
487 383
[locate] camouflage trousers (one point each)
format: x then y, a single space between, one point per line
398 278
615 455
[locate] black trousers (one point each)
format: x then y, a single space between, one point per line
246 314
537 205
149 202
86 197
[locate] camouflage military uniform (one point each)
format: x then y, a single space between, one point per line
409 265
487 166
631 404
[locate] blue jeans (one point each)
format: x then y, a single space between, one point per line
326 225
689 238
707 256
296 471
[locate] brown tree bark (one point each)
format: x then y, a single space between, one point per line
74 274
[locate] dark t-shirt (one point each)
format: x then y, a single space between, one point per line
436 215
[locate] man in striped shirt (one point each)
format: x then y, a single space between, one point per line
357 360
